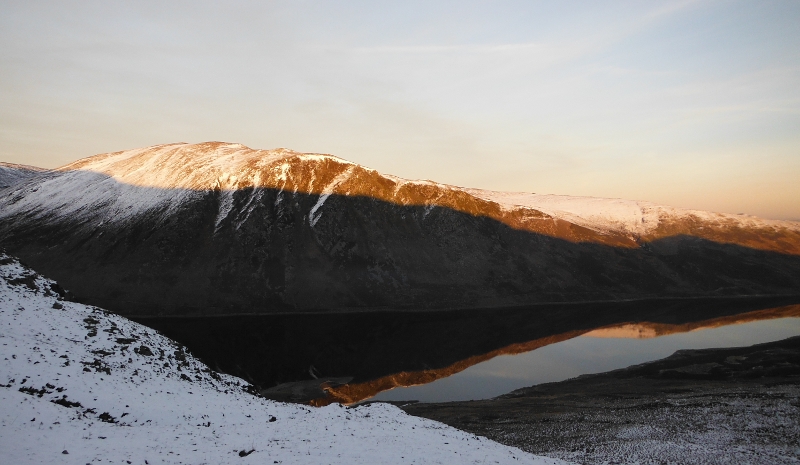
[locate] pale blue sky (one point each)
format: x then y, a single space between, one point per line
689 103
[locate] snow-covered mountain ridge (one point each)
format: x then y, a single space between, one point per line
116 187
81 385
639 218
12 174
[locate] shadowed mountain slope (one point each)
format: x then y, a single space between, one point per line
12 174
221 229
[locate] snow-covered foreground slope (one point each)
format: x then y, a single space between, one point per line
80 385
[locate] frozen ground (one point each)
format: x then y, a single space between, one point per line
725 426
80 385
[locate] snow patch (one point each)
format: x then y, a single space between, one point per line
313 217
252 202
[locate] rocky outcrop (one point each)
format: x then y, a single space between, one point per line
221 229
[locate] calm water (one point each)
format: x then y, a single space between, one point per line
584 355
298 353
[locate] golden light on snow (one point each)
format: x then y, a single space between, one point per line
161 174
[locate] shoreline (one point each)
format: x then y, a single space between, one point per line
736 405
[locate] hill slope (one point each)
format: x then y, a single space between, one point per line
79 384
214 228
12 174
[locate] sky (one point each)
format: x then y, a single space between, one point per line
694 104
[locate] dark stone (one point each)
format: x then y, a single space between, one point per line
66 403
144 350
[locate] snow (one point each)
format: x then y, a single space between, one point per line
12 174
116 187
312 214
252 202
329 189
129 395
627 216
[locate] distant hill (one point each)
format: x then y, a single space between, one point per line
221 229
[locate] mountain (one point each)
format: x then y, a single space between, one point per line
221 229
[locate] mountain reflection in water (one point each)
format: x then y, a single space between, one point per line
599 351
458 355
